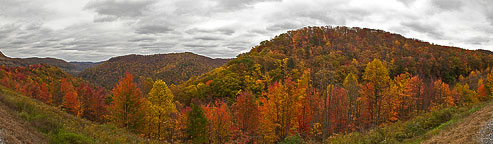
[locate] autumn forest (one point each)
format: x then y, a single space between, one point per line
311 85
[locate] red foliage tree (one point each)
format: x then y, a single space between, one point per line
246 116
71 100
92 101
220 122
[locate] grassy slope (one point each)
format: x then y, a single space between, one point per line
416 130
463 130
13 129
60 127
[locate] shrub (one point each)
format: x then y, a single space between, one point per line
69 138
296 139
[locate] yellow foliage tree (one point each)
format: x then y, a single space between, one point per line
160 104
489 84
467 96
377 75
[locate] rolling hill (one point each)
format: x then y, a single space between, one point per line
314 84
70 67
331 53
172 68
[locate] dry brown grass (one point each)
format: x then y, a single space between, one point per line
465 131
14 130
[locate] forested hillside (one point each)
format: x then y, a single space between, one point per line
72 68
316 82
330 54
172 68
54 87
307 85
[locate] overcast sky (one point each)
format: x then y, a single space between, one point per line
95 30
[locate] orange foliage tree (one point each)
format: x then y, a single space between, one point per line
279 111
126 109
71 100
443 95
220 123
483 92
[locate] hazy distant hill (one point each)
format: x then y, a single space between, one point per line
172 68
81 66
69 67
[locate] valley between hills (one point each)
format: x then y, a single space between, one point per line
311 85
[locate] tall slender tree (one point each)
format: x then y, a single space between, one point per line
483 93
489 83
160 100
279 111
220 123
377 75
443 95
127 109
352 87
197 126
246 116
71 100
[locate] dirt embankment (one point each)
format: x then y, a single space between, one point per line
486 133
14 130
466 131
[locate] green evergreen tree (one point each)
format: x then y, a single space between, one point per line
197 125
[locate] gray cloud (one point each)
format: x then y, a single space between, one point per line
226 31
485 5
478 40
260 31
232 4
407 2
209 38
153 29
199 45
25 9
448 4
222 30
105 18
427 28
283 26
95 30
7 30
119 8
143 39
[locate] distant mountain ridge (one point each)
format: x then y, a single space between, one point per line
81 66
172 68
70 67
2 55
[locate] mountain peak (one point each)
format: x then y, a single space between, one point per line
2 55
